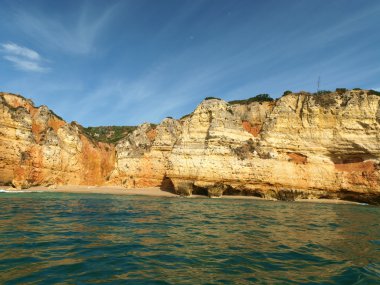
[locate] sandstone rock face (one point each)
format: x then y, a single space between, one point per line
39 148
207 149
307 146
299 146
332 140
142 157
253 115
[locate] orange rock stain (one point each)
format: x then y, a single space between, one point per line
297 158
252 129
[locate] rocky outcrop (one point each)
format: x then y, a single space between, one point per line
301 146
142 157
308 146
209 149
334 136
253 115
39 148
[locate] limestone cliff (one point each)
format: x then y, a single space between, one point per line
300 146
39 148
142 157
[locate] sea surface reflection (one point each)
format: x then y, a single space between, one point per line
55 238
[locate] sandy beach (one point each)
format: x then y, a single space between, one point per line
116 190
151 191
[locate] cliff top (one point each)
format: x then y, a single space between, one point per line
113 134
109 134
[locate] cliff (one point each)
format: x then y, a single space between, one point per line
297 147
39 148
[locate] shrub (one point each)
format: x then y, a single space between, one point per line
54 114
108 134
257 98
373 92
357 89
287 92
262 97
185 116
210 98
340 90
323 92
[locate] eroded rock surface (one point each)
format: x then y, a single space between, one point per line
142 157
39 148
299 146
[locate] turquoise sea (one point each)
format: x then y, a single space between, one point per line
56 238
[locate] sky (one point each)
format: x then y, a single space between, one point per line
133 61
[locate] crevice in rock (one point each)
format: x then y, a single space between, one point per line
368 198
167 185
232 191
197 190
289 195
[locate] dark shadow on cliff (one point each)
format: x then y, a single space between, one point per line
368 198
167 185
232 191
200 190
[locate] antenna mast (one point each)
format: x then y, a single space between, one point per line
318 83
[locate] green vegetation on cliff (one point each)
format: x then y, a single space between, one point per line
108 134
373 92
323 92
257 98
211 98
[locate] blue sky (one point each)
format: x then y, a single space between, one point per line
127 62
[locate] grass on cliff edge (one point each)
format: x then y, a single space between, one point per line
257 98
109 134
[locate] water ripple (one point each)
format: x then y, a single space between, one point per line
57 238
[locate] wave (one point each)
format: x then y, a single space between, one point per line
12 191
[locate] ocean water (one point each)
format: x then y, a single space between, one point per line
56 238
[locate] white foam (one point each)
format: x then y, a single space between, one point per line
12 191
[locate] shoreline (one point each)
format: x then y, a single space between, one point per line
153 192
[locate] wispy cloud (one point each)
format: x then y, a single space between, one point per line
21 51
135 61
23 58
77 36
